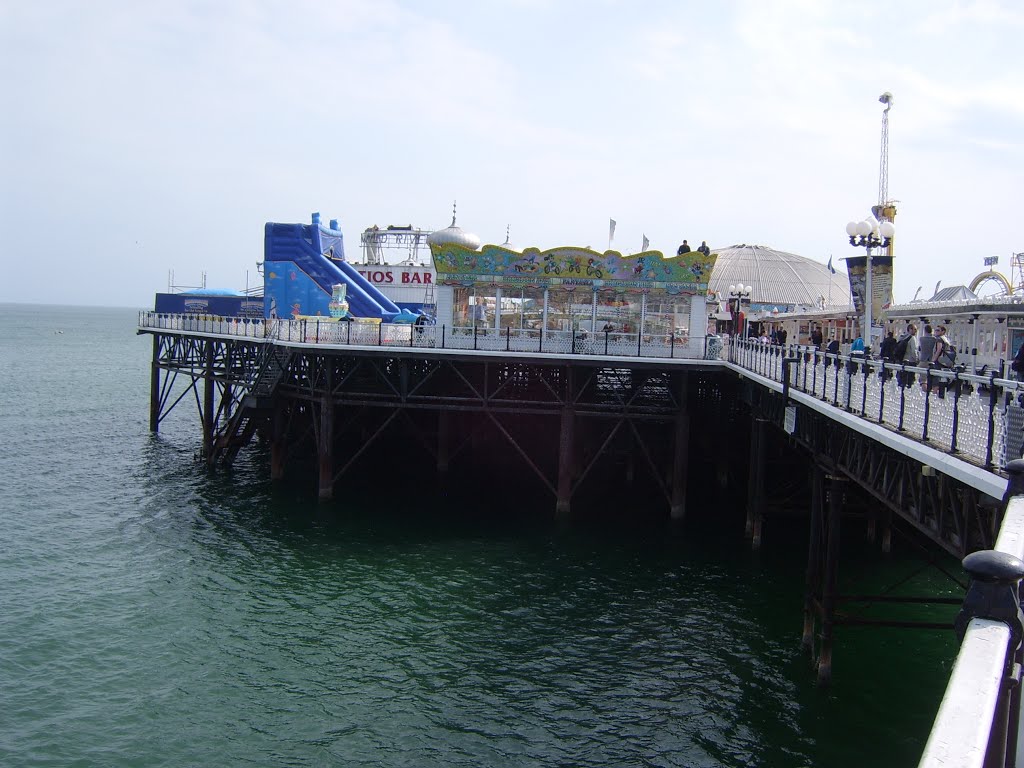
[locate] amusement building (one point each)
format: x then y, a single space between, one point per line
687 295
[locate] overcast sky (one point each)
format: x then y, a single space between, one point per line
142 137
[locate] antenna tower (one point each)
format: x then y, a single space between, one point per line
883 163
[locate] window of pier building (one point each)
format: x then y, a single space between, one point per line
620 309
461 311
522 308
666 314
570 309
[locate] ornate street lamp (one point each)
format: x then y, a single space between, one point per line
868 234
737 295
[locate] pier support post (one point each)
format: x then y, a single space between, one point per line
680 464
755 484
829 578
278 443
444 424
209 387
813 577
154 387
565 461
325 448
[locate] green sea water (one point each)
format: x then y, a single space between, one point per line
152 613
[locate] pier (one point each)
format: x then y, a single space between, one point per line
928 458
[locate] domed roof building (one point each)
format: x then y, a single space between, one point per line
454 234
779 279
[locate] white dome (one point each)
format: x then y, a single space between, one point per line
777 277
456 235
507 245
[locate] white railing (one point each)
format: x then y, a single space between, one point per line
976 416
253 328
358 333
978 723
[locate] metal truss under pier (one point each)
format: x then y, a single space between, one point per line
559 415
563 419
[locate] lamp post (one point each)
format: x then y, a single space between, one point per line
737 294
868 234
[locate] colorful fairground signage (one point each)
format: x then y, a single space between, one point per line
571 268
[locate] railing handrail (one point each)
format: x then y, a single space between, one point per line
978 719
965 414
326 331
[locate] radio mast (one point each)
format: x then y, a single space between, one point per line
886 208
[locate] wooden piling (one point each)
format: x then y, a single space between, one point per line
680 463
829 578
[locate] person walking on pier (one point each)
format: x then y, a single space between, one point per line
926 353
943 356
1017 366
907 352
887 350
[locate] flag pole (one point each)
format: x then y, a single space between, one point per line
830 273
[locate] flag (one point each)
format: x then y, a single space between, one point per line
611 230
646 243
830 267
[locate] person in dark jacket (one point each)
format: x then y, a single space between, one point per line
684 248
833 349
887 349
1017 366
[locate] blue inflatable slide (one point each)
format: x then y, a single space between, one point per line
301 265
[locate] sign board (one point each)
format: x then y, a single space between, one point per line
991 261
388 275
790 423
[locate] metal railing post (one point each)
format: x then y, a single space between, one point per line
927 402
787 363
903 395
956 411
990 437
993 594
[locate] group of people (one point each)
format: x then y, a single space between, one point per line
702 248
933 348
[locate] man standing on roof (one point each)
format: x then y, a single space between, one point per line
684 248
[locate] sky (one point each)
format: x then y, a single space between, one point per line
143 138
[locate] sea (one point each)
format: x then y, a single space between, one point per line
156 613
